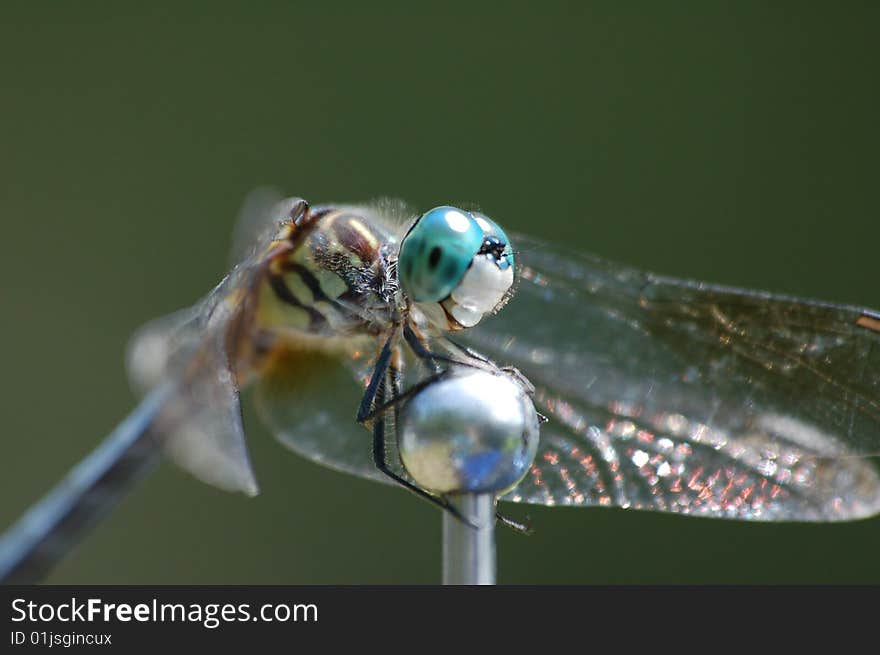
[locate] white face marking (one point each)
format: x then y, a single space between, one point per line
457 221
483 287
466 315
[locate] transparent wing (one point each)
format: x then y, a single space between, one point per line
309 400
258 218
197 350
200 425
680 396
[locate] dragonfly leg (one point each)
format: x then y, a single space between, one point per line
376 379
512 370
419 348
470 352
369 409
516 526
398 398
422 352
381 462
387 361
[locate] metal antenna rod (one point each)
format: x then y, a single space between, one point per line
468 552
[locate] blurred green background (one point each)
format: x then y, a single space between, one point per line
736 143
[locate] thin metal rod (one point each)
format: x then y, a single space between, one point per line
469 552
48 531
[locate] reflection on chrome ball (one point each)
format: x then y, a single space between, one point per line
473 431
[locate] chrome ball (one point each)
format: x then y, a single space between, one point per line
471 432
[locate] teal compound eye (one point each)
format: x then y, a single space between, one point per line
436 253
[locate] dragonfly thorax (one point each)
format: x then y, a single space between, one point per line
336 279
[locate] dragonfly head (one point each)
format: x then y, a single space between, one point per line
461 261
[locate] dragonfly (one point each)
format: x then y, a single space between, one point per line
658 393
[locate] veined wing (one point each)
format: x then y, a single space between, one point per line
198 350
259 217
185 365
681 396
309 399
199 425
